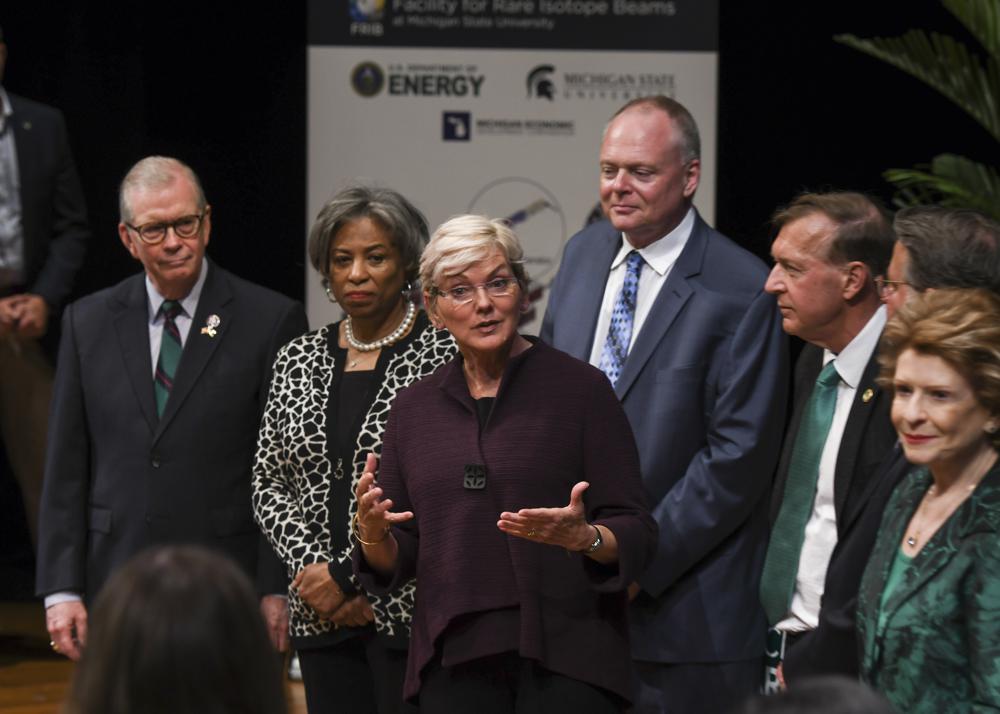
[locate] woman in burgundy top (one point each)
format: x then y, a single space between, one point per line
520 597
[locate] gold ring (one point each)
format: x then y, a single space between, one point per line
531 533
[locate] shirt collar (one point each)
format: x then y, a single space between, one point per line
189 302
7 110
662 253
853 359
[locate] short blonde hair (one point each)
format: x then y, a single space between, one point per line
464 240
962 327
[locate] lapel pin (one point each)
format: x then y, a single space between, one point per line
214 321
868 394
26 125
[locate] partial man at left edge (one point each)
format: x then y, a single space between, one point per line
43 238
159 390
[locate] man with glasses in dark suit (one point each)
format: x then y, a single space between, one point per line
159 388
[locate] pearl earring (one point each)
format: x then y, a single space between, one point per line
329 295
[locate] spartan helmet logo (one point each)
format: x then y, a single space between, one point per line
540 83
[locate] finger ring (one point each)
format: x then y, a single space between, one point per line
54 646
531 533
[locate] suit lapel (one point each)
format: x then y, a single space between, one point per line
131 321
976 514
592 271
866 400
199 347
675 292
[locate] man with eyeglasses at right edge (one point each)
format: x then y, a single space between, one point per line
159 388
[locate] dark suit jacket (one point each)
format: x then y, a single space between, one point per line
117 478
704 388
53 214
865 448
939 648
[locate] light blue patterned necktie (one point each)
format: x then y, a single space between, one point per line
622 317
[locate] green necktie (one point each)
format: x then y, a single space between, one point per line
170 354
781 565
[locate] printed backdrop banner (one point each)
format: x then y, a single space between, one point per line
496 106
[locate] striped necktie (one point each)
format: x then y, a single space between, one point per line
622 317
170 354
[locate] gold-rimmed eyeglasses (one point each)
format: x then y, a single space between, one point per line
886 288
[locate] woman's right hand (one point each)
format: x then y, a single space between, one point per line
375 513
355 612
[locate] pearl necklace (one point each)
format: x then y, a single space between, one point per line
390 339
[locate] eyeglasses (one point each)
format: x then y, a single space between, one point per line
886 288
184 227
464 294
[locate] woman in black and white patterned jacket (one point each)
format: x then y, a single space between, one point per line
329 401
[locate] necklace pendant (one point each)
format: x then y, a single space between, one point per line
911 541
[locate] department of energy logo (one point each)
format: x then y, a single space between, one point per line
367 79
540 82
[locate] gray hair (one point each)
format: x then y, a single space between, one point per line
397 216
863 230
462 241
688 138
949 248
155 172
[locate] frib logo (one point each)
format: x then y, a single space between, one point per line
367 10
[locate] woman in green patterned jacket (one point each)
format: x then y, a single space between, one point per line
929 604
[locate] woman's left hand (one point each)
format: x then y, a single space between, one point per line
565 527
317 589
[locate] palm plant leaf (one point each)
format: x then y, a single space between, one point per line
981 18
946 65
949 180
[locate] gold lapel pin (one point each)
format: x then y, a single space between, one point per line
211 323
867 395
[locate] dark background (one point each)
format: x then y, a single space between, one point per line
223 86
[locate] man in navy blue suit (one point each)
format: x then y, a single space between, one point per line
43 236
694 348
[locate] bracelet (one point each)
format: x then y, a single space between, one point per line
598 541
356 532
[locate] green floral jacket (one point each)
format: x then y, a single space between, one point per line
939 650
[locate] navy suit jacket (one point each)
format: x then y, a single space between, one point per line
862 483
119 479
704 388
53 213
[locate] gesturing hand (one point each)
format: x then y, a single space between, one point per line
565 527
375 513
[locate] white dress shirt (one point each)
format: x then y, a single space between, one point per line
659 258
821 530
